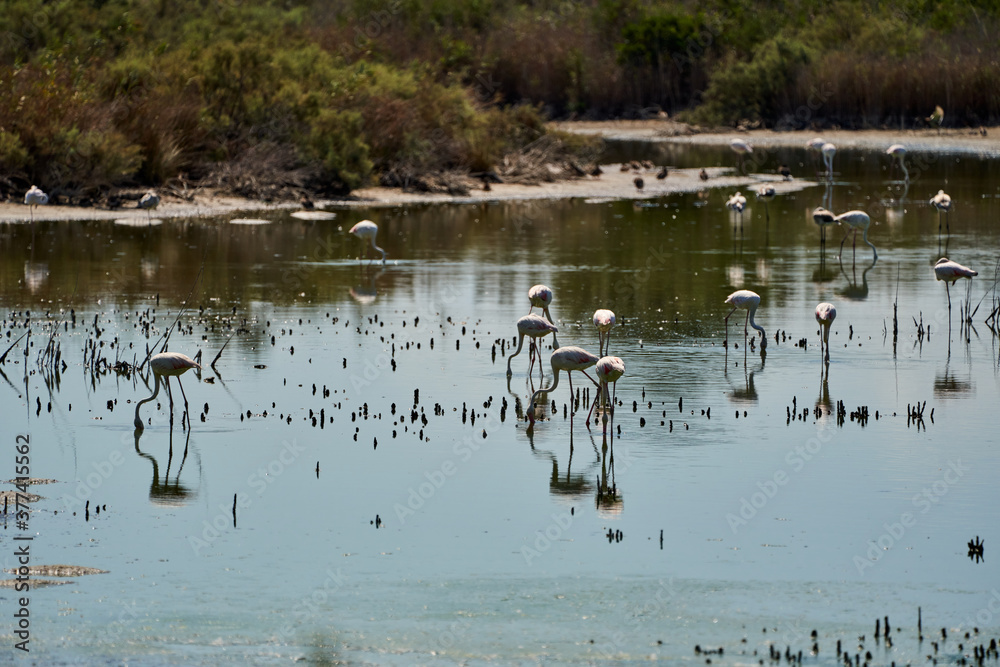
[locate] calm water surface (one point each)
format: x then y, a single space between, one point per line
394 508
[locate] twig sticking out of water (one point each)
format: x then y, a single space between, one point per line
222 348
3 357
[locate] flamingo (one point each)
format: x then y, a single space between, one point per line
898 151
367 229
748 301
829 150
822 217
166 364
534 327
35 197
567 359
766 193
826 313
540 296
149 201
856 220
737 203
816 144
942 202
741 148
608 369
950 272
604 320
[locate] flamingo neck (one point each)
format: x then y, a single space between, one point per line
543 390
864 237
755 325
156 391
379 249
520 342
906 173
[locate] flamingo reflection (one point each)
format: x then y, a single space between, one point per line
164 491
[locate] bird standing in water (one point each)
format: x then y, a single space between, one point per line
608 369
748 301
898 151
741 148
149 201
822 217
766 193
829 150
35 197
856 220
366 229
166 364
950 272
942 202
534 327
604 320
569 359
825 314
540 296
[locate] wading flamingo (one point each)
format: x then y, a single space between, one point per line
567 359
829 150
942 202
604 320
822 217
736 204
949 272
898 152
608 369
856 220
748 301
540 296
149 201
366 229
35 197
166 364
741 148
826 313
535 327
766 193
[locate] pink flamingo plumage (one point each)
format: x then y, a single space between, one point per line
540 296
608 369
856 220
950 272
748 301
535 327
604 320
569 359
366 229
166 364
825 314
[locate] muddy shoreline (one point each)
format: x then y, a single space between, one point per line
612 184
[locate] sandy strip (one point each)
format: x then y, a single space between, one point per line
966 141
612 184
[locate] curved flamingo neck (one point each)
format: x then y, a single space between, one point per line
377 248
543 390
156 391
864 237
520 342
754 324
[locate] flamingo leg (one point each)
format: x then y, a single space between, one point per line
186 413
725 343
572 411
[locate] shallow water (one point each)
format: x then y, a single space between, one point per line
492 542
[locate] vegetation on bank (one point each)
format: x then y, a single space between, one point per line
280 98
